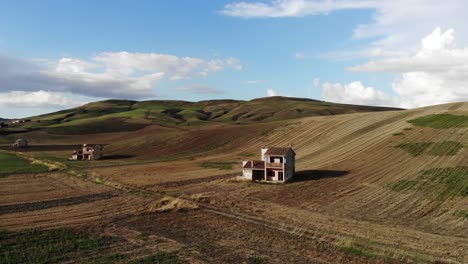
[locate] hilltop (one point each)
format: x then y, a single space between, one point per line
126 115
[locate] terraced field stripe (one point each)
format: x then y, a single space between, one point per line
26 207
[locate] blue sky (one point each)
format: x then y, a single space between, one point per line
59 54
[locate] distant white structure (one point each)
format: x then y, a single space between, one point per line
20 143
88 152
277 165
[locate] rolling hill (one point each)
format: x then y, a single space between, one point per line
124 115
371 187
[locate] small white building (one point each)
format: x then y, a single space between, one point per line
20 143
276 165
88 152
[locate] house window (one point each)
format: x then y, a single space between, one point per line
276 160
270 173
280 176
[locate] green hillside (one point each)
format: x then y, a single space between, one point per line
125 115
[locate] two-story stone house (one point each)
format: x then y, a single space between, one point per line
88 152
276 165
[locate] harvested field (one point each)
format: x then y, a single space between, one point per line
357 197
32 201
225 240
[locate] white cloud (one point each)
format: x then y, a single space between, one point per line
397 24
299 55
437 73
292 8
401 23
175 68
367 52
356 93
108 74
271 92
252 81
200 89
36 99
438 53
316 82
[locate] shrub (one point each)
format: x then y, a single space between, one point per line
256 260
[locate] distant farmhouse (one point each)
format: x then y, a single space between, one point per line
277 165
20 121
88 152
20 143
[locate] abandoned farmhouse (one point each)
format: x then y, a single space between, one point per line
88 152
276 165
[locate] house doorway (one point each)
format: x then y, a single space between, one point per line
280 176
258 175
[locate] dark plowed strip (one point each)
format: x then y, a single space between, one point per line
25 207
195 181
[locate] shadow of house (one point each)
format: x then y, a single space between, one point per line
117 157
313 175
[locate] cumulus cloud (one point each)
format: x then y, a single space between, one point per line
108 74
436 73
356 93
200 89
36 99
438 53
271 92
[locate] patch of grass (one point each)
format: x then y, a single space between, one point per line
403 185
407 128
415 149
110 259
441 121
357 251
256 260
438 183
463 214
161 257
142 236
49 246
398 134
12 164
221 165
446 148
